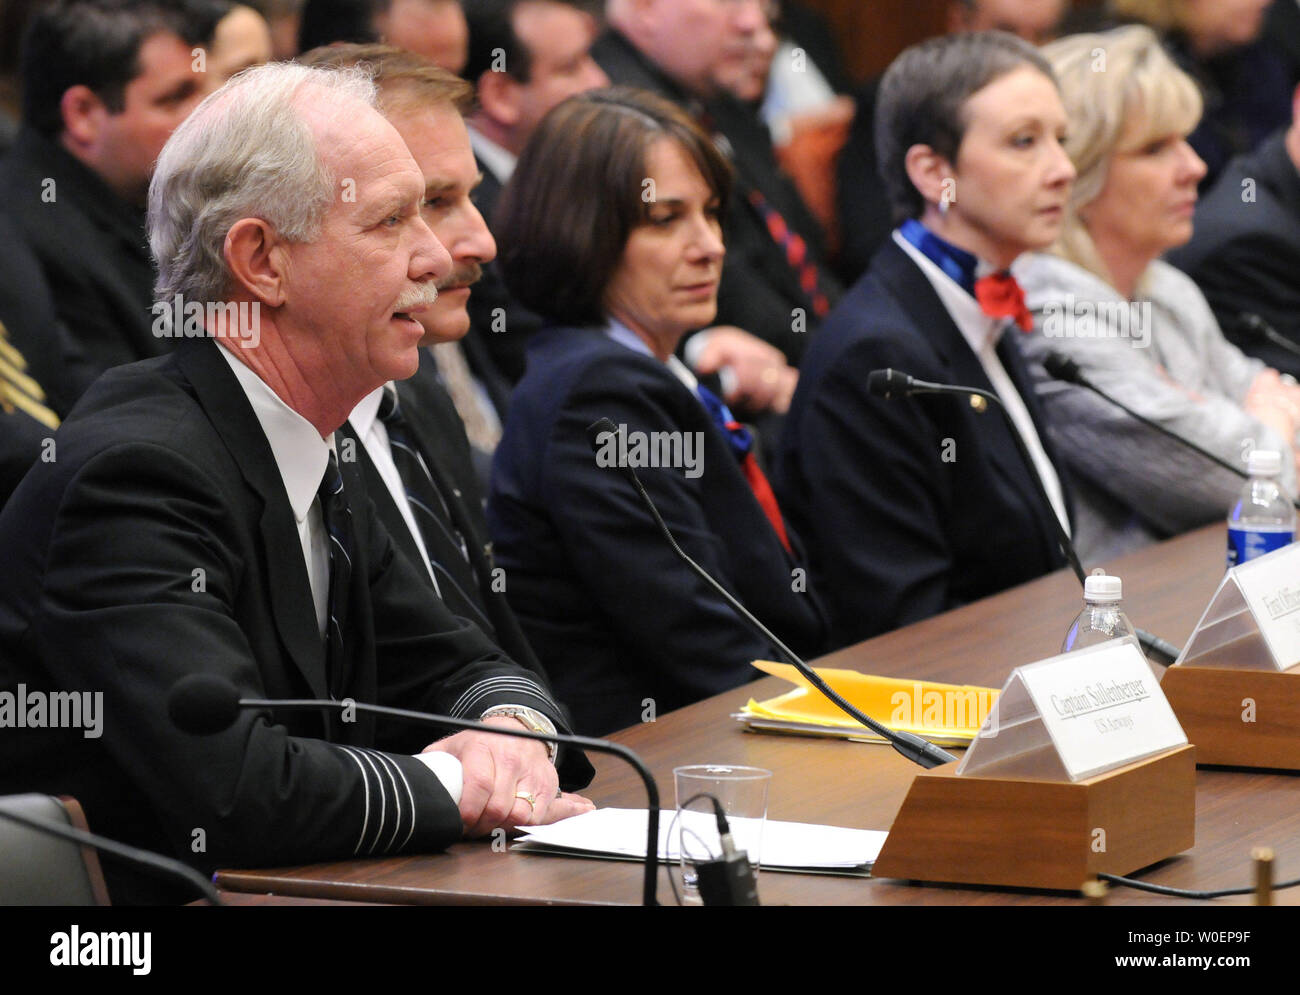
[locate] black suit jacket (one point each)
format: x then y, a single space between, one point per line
497 341
1282 35
866 216
912 506
28 325
160 544
614 616
91 247
1245 254
437 431
759 291
27 310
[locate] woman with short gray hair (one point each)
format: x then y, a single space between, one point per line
916 505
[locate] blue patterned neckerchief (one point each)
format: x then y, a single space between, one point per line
957 263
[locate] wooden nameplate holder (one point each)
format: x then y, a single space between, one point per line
1236 685
1238 718
1080 768
1017 831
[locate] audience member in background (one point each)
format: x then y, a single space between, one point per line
623 627
1036 21
413 449
434 29
865 213
775 286
525 56
917 505
807 116
105 82
1245 253
1244 82
242 40
1282 35
29 355
14 15
329 22
1138 328
284 17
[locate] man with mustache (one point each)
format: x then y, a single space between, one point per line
413 447
203 517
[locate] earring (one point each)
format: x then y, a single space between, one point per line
946 194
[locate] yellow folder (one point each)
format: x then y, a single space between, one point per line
945 714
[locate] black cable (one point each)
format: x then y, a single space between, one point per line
155 862
915 748
1161 889
718 814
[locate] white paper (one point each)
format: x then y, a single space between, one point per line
1102 707
1271 585
621 832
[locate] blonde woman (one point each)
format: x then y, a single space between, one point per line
1140 329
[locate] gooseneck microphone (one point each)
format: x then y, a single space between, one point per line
913 747
205 704
891 384
1255 327
1063 368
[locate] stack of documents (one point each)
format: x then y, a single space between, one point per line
945 714
619 834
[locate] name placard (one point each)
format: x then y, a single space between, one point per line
1102 707
1271 586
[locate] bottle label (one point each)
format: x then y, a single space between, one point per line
1248 544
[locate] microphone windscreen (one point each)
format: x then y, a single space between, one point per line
203 704
598 428
1062 367
888 383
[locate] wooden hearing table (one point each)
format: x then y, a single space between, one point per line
1166 587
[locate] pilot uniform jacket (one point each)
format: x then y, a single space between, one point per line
916 505
624 629
437 431
161 543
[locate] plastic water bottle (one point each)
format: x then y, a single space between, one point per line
1262 518
1102 618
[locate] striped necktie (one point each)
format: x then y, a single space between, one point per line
337 517
444 542
459 380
